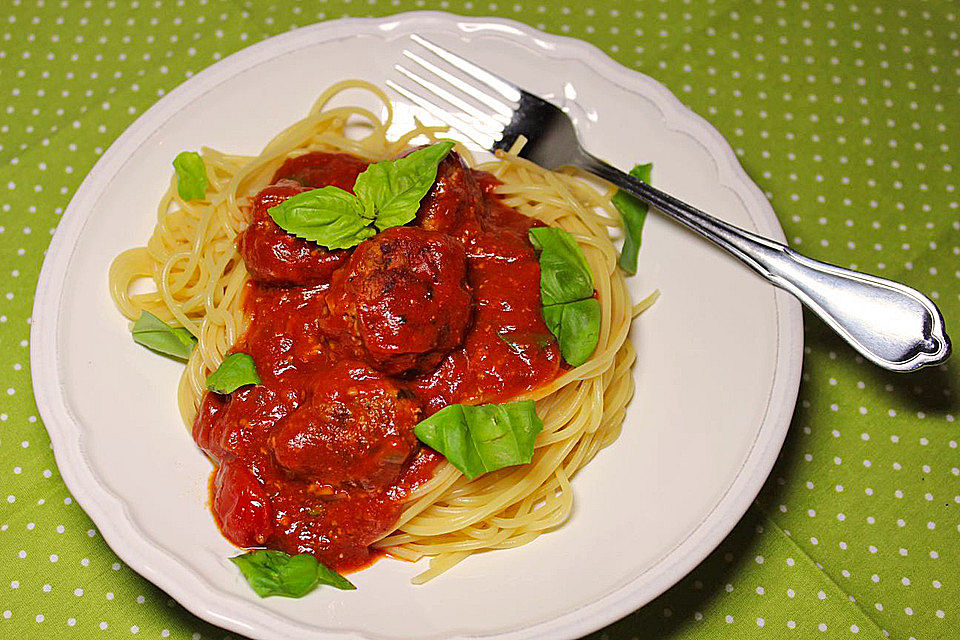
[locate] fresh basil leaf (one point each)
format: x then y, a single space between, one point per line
155 334
391 191
191 175
388 195
577 328
564 273
236 370
566 292
633 211
275 573
478 439
329 216
326 575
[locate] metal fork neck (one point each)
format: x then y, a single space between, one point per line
742 243
891 324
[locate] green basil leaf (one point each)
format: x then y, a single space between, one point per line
275 573
577 328
236 370
329 216
155 334
326 575
482 438
391 191
191 175
564 274
566 293
633 211
388 195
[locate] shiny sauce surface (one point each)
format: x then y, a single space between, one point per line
354 347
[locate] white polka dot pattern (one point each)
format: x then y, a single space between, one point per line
843 112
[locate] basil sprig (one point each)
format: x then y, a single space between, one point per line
566 292
391 191
388 194
275 573
478 439
155 334
328 216
191 175
236 370
633 212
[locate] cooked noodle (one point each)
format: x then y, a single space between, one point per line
199 276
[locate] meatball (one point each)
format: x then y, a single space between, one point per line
273 256
241 505
454 203
338 532
404 296
319 169
357 429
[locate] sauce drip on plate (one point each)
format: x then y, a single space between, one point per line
356 346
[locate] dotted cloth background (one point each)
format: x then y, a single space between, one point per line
843 112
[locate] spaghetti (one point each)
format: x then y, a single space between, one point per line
199 279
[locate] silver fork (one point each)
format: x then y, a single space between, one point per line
891 324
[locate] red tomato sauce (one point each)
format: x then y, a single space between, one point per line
354 347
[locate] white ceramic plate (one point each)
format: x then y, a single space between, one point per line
716 378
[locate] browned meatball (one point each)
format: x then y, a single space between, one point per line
454 202
357 429
319 169
273 256
404 295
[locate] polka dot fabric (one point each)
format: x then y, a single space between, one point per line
844 113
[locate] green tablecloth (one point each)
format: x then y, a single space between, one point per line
845 112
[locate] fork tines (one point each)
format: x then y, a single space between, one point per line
473 111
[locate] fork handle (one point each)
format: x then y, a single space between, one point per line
891 324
